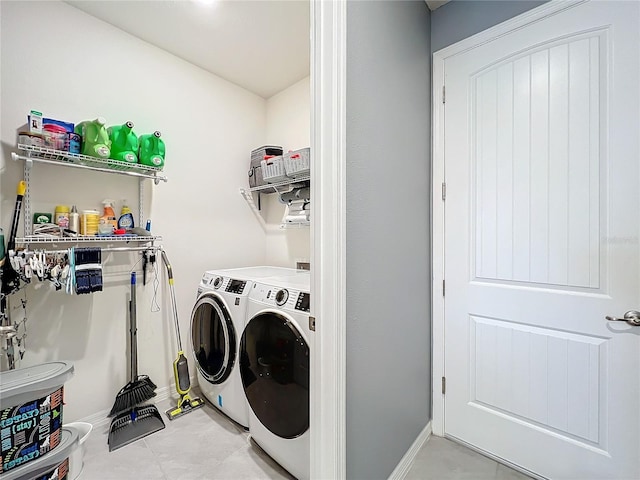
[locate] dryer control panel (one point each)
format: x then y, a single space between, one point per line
281 298
302 303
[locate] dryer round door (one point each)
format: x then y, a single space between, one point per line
213 338
274 366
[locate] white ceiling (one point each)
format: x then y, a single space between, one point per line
262 46
433 4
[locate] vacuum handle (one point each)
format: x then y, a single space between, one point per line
20 191
133 329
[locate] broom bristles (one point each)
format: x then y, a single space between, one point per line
133 393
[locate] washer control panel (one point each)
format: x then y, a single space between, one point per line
235 286
210 280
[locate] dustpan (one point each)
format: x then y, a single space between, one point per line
133 425
140 387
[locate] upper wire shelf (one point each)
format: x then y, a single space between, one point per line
59 157
30 239
284 183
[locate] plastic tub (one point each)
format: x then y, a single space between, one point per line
273 170
76 460
54 465
297 163
31 413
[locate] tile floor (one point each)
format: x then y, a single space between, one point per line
203 445
442 459
206 445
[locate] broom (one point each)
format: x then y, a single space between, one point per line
140 387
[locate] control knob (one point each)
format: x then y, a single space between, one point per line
217 283
281 297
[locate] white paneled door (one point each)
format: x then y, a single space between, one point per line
542 242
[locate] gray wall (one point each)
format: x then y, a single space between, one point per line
388 191
457 20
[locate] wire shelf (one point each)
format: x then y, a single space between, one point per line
291 225
59 157
284 183
31 239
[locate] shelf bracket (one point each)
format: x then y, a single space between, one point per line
141 202
26 200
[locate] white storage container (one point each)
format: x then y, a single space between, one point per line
51 466
297 163
273 170
31 415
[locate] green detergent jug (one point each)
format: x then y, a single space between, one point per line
95 139
151 150
124 143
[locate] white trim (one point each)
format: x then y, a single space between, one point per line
438 176
328 245
543 11
406 462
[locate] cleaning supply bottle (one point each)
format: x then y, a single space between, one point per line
95 139
124 143
126 217
74 220
61 216
152 150
108 222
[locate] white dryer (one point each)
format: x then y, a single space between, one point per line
217 322
274 367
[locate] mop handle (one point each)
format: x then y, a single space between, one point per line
173 296
133 329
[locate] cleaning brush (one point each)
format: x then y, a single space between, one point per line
138 390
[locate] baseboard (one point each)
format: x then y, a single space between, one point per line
101 419
406 462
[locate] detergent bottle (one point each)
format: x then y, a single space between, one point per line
151 150
95 139
124 143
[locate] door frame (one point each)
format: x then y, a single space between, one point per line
438 176
328 244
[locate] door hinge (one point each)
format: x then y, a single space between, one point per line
444 191
443 287
312 323
444 385
443 94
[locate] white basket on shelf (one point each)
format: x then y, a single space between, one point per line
273 170
297 163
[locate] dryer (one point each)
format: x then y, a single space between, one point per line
274 368
217 322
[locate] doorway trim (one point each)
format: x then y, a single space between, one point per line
328 244
438 176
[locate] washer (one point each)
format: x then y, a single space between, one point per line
274 368
217 321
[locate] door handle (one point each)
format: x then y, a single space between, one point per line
632 317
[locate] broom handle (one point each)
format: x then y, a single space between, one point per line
133 329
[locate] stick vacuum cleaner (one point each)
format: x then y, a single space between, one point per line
186 404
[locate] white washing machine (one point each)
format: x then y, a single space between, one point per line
217 322
274 367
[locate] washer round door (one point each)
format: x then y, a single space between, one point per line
213 338
274 366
